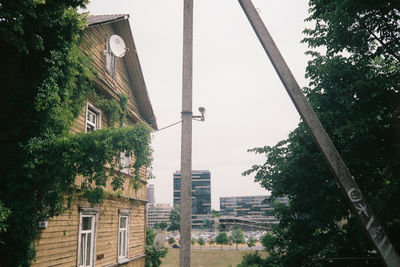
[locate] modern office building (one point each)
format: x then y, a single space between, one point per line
201 196
254 207
157 213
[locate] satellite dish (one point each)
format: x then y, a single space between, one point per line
159 240
117 46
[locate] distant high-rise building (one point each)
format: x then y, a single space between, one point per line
201 196
150 194
157 213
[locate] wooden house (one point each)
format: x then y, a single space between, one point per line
113 233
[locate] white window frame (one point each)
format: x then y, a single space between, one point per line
93 214
92 109
111 59
123 256
125 163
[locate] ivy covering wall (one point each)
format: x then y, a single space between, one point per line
45 81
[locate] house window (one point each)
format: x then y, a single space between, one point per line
86 239
125 163
111 61
123 235
93 119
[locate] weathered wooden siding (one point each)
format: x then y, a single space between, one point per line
94 45
58 244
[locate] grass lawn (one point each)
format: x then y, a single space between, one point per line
207 258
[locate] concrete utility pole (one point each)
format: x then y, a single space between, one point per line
186 141
353 193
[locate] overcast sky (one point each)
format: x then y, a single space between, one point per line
246 104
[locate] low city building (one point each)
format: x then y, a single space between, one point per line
252 211
157 213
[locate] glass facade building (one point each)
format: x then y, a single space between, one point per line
201 195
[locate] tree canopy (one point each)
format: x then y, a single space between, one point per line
354 89
237 236
201 241
161 225
175 218
251 242
153 256
222 239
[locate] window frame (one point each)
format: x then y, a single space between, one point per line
124 256
88 213
97 125
123 160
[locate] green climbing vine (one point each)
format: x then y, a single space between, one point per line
114 110
46 81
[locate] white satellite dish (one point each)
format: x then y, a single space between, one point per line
159 240
117 45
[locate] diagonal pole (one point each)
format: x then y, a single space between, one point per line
353 193
186 138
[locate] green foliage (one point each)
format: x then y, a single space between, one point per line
354 89
253 260
175 219
45 81
171 241
201 241
211 242
4 213
267 240
237 236
193 241
222 239
153 256
114 110
215 213
161 225
251 242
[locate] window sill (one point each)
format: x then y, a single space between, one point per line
123 260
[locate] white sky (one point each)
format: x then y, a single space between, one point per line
246 104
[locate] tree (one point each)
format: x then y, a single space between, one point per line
267 240
153 256
237 237
193 241
171 240
162 225
201 241
253 260
222 239
354 89
175 218
45 81
215 213
251 242
211 242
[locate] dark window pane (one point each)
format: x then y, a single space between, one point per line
86 223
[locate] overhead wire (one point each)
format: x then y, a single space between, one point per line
173 124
